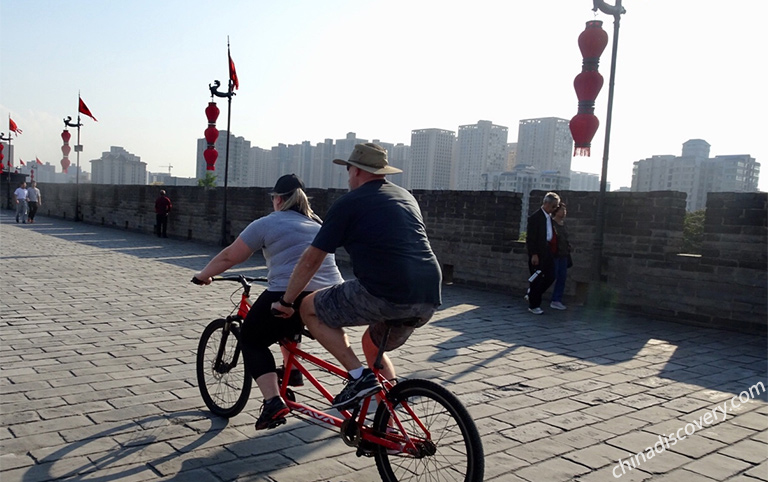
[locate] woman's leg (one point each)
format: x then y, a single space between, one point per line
260 331
561 269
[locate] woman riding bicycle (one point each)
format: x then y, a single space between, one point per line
282 235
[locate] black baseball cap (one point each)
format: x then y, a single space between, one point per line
287 184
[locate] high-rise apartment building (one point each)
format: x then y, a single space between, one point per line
237 165
696 174
400 157
343 148
480 148
546 144
586 181
118 166
431 159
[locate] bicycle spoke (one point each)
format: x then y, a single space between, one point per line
450 450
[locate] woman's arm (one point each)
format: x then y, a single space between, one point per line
233 254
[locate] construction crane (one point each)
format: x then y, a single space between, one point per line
169 168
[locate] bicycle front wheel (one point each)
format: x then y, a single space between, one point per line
223 379
449 450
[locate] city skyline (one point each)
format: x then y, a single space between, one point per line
309 72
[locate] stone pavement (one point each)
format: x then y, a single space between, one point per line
99 329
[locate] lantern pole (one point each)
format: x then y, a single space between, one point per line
231 86
8 139
616 11
78 148
214 92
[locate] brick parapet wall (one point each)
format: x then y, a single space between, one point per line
475 236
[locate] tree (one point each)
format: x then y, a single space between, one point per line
208 181
693 231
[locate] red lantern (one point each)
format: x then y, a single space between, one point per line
587 85
592 41
2 166
65 149
210 156
211 134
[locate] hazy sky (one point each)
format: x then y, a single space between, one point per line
311 70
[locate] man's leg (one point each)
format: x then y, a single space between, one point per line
534 295
333 339
371 350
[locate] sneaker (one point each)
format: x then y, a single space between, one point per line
296 379
357 390
536 311
273 413
557 305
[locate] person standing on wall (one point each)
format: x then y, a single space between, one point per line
562 257
21 194
162 209
541 242
35 200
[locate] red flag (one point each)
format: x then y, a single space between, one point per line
13 127
22 162
84 110
232 72
38 161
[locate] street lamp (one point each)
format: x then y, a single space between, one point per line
616 11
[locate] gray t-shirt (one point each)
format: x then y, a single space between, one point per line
283 236
33 194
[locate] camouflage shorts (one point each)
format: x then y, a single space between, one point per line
350 304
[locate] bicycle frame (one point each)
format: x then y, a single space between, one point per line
399 440
392 441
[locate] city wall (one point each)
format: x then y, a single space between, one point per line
475 236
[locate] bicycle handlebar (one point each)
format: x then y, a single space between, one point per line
244 280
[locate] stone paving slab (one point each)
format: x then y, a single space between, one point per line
99 328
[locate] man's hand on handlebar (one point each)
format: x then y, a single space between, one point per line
199 280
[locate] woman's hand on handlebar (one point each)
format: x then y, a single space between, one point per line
200 280
281 311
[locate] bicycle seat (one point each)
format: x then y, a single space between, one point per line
403 321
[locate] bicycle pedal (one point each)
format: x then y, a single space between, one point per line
276 422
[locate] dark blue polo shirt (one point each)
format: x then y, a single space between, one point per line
380 226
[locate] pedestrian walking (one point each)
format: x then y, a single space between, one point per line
20 194
35 200
162 209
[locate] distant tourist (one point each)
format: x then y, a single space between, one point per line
562 256
162 209
35 200
21 202
541 243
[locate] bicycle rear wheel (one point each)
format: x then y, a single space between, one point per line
452 451
222 377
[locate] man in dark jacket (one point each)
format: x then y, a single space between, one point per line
162 208
540 242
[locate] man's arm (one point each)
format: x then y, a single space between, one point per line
305 269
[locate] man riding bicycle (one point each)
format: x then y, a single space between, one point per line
397 274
